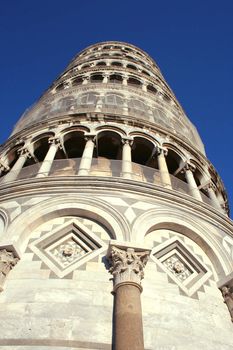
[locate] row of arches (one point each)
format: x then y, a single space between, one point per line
117 51
115 78
113 63
112 145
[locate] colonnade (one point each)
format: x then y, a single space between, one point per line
84 168
123 78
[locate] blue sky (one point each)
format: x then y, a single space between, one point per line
192 42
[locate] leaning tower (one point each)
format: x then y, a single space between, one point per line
114 227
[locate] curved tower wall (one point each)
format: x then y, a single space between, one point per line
106 174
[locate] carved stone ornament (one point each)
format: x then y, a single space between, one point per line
127 265
227 294
7 262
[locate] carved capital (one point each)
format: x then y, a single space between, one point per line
7 261
127 265
55 141
127 141
24 151
3 166
88 137
188 166
161 150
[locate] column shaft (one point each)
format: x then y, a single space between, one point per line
127 268
194 191
48 161
126 160
86 160
15 170
128 328
214 198
163 169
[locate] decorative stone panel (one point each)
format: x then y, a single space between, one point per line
67 247
181 265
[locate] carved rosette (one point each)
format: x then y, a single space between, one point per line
227 293
127 265
7 262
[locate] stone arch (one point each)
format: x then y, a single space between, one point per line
21 228
149 137
40 145
108 144
110 127
156 219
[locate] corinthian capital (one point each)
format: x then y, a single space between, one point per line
7 262
127 264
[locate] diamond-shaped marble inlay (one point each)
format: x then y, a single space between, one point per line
67 247
181 265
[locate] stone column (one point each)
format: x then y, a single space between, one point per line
7 261
212 195
48 160
86 80
163 169
105 80
125 80
144 86
17 167
85 164
126 158
127 265
188 170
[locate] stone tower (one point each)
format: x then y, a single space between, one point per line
105 181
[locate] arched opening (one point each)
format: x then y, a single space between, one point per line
108 145
41 148
86 66
146 73
130 66
166 98
174 164
101 63
143 152
115 78
77 81
60 87
200 181
116 64
96 78
129 57
74 144
133 81
152 89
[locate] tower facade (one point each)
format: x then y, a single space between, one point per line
104 182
